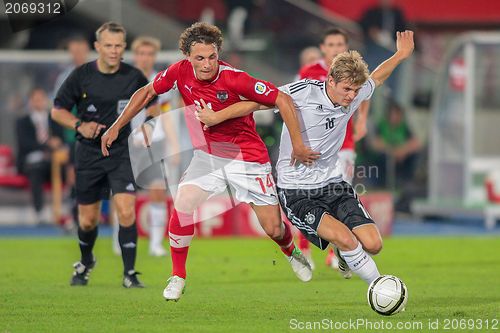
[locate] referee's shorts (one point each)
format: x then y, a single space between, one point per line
96 174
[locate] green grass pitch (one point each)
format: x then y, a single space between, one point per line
246 285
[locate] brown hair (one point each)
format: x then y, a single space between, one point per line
200 32
349 66
146 40
111 27
335 31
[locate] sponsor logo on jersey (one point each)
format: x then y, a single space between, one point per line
310 218
122 103
91 108
319 108
188 88
130 187
260 88
269 91
222 95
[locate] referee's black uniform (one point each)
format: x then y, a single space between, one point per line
101 98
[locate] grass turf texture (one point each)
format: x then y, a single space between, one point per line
240 285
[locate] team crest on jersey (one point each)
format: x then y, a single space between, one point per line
310 218
260 88
222 95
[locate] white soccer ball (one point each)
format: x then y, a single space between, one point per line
387 295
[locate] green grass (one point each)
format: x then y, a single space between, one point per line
241 285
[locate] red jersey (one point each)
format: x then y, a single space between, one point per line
319 71
233 138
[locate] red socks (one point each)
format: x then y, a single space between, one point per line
303 243
181 232
286 243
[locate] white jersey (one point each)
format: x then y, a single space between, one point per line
323 127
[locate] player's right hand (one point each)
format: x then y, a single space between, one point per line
91 129
304 155
206 115
107 139
405 43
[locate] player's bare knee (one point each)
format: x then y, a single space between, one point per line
272 227
346 242
87 222
373 247
185 202
126 216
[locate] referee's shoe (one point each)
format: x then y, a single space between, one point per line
81 273
130 280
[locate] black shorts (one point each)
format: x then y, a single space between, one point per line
305 208
96 175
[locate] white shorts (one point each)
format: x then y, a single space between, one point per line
347 158
248 182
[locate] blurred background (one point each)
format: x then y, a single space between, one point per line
443 103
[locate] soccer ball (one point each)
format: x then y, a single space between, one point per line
387 295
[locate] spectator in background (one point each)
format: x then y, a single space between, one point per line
79 49
309 56
397 146
380 24
37 137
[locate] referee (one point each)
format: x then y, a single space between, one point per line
100 90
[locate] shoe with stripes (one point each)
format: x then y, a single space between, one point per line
81 273
300 265
344 269
130 280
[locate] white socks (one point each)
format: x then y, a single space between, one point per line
361 263
157 222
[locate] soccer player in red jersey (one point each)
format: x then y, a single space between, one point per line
334 42
202 79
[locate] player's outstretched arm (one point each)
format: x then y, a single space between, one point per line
138 102
360 122
404 48
211 118
287 110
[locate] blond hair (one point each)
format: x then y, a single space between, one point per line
349 66
146 41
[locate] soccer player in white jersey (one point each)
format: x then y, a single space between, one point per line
334 42
317 201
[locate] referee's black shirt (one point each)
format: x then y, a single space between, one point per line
100 97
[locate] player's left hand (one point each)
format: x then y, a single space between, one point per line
304 155
205 114
404 43
108 138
